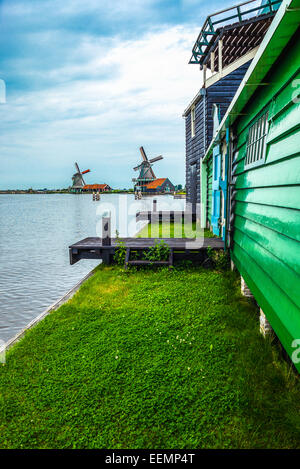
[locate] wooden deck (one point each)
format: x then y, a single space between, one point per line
182 248
160 215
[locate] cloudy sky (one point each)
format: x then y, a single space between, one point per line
90 81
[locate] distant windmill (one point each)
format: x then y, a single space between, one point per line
77 178
145 168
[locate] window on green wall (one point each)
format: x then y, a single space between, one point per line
257 141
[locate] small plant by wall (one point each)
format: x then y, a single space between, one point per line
120 253
159 252
219 258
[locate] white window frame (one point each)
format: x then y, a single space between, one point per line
193 121
257 141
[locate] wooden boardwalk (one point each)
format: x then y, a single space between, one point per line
181 248
162 215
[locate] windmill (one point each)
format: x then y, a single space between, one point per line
146 172
77 178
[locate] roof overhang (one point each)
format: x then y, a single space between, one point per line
237 40
218 76
194 101
284 25
241 28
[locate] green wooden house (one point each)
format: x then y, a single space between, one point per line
250 178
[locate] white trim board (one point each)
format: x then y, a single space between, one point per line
231 68
219 75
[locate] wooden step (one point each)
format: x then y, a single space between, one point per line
169 262
146 262
127 256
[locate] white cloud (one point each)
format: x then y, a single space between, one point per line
137 93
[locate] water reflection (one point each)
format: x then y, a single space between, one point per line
35 233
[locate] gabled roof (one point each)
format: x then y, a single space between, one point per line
154 184
241 29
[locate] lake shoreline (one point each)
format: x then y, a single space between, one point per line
64 299
48 192
34 237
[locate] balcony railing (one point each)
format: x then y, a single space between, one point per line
237 14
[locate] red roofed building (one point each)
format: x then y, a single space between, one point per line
96 188
159 185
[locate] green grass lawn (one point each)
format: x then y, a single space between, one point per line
173 230
149 359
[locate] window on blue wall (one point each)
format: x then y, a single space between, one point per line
193 121
215 167
257 141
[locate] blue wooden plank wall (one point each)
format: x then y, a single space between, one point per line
220 93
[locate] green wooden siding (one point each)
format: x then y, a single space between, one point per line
266 246
209 191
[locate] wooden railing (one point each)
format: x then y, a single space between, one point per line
239 12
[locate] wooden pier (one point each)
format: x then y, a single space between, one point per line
194 249
177 215
155 215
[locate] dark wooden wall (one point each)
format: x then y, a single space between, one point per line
222 93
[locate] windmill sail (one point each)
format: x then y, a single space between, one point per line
144 156
157 158
77 179
146 173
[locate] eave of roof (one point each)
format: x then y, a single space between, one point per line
286 20
216 77
194 101
94 186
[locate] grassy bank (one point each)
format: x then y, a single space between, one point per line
149 359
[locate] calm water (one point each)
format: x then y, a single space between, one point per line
35 232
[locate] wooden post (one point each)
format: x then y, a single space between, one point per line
127 257
212 62
204 74
106 256
220 47
245 289
106 230
265 326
